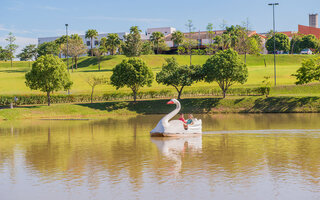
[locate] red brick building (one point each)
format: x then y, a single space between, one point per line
306 30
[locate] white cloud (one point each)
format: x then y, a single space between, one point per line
13 30
132 19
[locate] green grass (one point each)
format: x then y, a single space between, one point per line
12 80
199 106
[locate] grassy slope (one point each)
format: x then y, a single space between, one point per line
12 79
200 106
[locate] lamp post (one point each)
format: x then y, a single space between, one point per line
274 43
67 48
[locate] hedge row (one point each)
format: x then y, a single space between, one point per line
42 99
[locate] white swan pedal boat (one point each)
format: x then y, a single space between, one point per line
175 128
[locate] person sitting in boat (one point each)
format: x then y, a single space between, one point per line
185 125
190 119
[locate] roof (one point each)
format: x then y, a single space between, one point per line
306 30
204 35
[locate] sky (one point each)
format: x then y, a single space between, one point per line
30 19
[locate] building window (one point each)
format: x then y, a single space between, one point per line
96 43
88 43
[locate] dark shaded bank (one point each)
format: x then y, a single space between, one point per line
196 106
218 105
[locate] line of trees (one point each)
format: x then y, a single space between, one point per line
293 46
49 74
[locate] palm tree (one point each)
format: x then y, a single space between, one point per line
91 33
157 38
177 38
113 42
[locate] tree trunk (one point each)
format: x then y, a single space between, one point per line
134 96
48 95
99 63
190 57
224 93
91 47
92 94
72 64
179 94
76 61
11 62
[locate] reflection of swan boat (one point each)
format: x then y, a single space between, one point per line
174 148
175 128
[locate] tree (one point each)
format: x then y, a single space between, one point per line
132 73
93 81
75 49
48 48
11 47
177 38
97 52
282 43
91 33
48 74
309 71
132 45
309 42
147 48
190 43
178 76
157 38
210 46
225 68
295 43
112 43
61 41
28 53
4 54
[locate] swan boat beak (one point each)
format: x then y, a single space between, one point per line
170 102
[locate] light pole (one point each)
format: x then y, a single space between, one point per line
67 48
274 43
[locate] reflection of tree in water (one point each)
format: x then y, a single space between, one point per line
80 152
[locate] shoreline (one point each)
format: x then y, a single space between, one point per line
82 111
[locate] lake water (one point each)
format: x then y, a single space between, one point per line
240 156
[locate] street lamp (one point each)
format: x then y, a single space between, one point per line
67 48
274 43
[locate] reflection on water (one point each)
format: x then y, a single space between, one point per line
264 156
175 149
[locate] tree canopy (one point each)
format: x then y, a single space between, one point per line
309 71
177 76
225 68
48 48
282 43
177 38
91 33
132 45
29 52
48 74
132 73
157 38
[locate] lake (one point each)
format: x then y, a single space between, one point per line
239 156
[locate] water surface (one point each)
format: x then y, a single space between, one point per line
249 156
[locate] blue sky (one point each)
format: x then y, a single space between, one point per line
30 19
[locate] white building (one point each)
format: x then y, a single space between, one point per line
165 30
86 41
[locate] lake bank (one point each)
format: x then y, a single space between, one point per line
144 107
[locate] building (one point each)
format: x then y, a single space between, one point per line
313 20
165 30
86 41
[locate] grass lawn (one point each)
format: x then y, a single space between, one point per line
12 80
